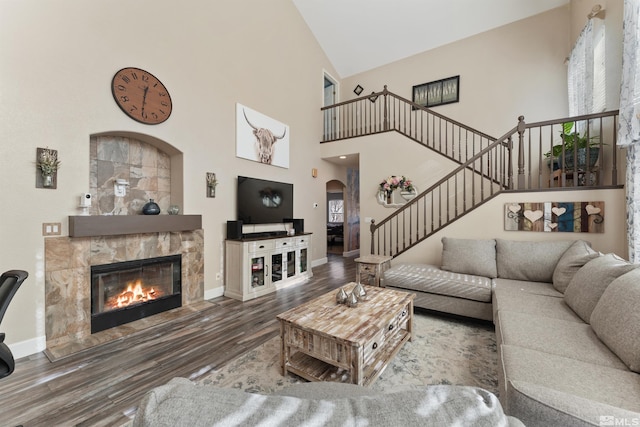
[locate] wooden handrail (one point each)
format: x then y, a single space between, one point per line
385 111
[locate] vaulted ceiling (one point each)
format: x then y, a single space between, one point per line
359 35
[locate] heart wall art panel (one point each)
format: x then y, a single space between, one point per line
571 217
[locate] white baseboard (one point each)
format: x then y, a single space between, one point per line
28 347
214 293
318 262
355 252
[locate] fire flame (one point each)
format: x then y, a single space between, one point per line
134 294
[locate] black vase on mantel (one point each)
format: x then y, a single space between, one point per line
151 208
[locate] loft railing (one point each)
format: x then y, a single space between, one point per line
569 153
385 112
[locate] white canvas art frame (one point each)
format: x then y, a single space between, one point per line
261 138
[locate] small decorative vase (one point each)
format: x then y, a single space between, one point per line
211 191
360 292
151 208
47 180
341 297
389 198
352 300
173 210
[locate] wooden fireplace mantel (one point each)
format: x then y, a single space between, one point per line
113 225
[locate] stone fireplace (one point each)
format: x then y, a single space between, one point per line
115 232
68 263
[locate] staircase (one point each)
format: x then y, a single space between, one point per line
519 160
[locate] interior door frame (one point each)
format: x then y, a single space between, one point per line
327 129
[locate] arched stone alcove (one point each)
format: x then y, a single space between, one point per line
152 167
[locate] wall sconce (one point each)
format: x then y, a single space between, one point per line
314 172
358 90
120 187
211 184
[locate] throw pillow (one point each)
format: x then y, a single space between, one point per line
469 256
526 260
578 254
590 282
616 318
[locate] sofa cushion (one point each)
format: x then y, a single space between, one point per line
564 338
541 305
519 289
547 389
469 256
526 260
578 254
431 279
616 318
522 287
590 282
182 403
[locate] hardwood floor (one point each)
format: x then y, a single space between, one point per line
101 386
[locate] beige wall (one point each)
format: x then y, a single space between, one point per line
514 70
58 59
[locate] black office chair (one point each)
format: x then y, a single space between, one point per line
10 281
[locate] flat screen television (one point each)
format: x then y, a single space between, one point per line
264 202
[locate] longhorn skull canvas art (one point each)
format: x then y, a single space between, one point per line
261 138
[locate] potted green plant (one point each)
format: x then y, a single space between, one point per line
573 143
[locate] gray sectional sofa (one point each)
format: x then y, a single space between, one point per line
567 323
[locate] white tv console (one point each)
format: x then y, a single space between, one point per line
261 265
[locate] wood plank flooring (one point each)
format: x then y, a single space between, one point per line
101 386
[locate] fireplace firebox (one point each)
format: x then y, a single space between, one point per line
126 291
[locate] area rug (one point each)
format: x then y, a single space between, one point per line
443 351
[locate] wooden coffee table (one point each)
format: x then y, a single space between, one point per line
326 341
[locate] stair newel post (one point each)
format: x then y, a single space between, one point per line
386 109
521 129
372 227
510 163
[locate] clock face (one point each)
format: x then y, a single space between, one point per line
141 96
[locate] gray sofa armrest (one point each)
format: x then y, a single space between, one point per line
181 402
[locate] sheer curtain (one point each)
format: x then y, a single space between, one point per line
629 124
580 73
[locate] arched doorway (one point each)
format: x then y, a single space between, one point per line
335 217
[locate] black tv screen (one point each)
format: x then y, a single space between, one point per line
264 202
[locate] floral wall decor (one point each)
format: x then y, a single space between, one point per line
393 182
47 165
573 217
387 189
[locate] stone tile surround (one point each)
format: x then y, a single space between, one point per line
68 264
147 169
